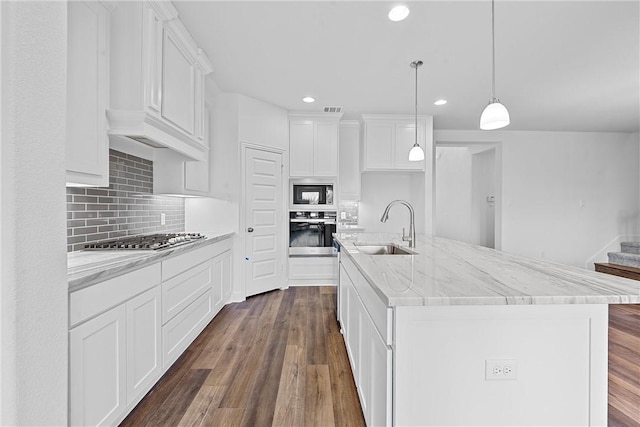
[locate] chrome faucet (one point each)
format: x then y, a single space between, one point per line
411 238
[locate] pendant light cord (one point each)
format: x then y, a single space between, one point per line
418 63
493 50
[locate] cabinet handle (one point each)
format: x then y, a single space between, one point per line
250 229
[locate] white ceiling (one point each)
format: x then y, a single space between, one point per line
560 65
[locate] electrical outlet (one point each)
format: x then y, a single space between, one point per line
163 218
501 369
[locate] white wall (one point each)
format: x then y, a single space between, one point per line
34 275
380 188
565 195
235 119
483 178
453 193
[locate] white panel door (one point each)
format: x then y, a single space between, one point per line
144 324
325 149
263 242
97 370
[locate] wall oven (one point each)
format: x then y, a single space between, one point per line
311 233
310 196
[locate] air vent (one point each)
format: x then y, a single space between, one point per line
333 109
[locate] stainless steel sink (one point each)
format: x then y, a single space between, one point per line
383 249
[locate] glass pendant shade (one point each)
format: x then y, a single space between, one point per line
416 154
494 116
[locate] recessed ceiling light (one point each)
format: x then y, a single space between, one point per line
440 102
398 13
308 99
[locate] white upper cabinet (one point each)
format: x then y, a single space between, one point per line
87 150
157 79
313 144
348 160
388 139
174 176
178 85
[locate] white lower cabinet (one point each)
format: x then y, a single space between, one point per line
180 331
369 354
97 357
114 360
222 264
144 357
127 331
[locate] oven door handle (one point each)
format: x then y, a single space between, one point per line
312 221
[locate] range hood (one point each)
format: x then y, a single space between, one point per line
146 128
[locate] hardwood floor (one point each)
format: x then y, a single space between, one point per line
276 359
624 365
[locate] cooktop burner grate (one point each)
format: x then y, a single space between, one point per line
148 242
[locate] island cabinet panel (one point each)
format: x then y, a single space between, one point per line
368 352
558 352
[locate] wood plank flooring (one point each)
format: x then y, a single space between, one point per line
277 359
624 365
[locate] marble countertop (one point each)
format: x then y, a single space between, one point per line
85 268
447 272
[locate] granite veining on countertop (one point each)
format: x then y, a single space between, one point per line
85 268
448 272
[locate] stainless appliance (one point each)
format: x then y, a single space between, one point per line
311 233
308 195
146 241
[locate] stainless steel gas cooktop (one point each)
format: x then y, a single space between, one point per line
146 242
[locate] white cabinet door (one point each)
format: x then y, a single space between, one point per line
144 351
325 149
405 138
364 361
87 155
221 279
301 148
196 176
178 85
378 148
353 336
349 162
153 60
343 301
380 395
97 377
199 107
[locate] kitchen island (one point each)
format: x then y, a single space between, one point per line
458 334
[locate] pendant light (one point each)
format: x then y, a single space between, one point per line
416 154
495 115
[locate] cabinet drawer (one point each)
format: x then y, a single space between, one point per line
180 331
91 301
181 263
183 289
318 268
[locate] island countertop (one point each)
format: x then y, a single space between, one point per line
448 272
85 268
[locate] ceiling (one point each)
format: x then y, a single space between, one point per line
560 65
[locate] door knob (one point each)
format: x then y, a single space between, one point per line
250 229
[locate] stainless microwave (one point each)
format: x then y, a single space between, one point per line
312 195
